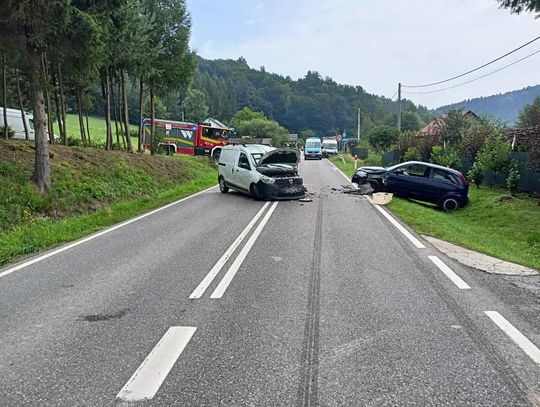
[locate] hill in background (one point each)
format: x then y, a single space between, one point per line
313 102
504 106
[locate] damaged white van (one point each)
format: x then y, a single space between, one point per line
261 171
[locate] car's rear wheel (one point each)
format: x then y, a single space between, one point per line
449 204
223 186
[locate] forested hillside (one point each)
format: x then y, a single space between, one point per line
504 106
311 103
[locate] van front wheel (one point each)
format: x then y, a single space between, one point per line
254 192
223 186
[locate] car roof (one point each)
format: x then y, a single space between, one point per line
440 167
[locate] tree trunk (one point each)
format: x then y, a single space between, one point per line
87 126
62 105
21 106
80 113
42 166
152 119
115 112
120 114
4 94
57 102
126 112
48 98
140 142
106 89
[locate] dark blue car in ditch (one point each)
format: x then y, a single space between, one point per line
427 182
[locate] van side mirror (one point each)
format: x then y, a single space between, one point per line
399 171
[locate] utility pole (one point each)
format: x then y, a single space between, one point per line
399 107
358 124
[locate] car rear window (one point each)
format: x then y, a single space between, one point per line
442 175
416 170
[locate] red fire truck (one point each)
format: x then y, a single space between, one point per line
186 138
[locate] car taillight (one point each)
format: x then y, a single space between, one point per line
463 179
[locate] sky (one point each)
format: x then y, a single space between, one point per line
374 43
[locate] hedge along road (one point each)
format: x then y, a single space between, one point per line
321 303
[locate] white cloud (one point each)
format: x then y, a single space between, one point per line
375 43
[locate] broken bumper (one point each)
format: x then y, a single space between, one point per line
282 189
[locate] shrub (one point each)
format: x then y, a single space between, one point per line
11 132
74 142
382 137
448 157
494 154
512 181
412 154
476 174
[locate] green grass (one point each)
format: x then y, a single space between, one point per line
91 189
96 125
345 162
492 223
45 233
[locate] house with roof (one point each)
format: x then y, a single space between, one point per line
434 127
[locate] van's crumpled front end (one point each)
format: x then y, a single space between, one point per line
280 178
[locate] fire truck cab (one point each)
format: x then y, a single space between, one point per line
186 138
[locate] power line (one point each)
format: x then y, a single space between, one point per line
475 69
475 79
392 98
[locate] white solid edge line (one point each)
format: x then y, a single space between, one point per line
203 286
96 235
462 285
227 278
519 339
338 170
149 376
393 221
398 226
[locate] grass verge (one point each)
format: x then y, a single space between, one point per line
46 233
493 223
91 189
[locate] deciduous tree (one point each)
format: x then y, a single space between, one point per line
382 137
530 115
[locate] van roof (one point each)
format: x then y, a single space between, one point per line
16 112
250 148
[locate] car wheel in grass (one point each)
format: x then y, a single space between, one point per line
449 204
223 186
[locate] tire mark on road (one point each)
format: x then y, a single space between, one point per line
307 392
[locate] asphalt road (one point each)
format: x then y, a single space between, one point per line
323 303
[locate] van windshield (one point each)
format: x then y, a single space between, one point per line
257 157
330 144
313 144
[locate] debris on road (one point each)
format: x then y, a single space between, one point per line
382 198
355 189
306 199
